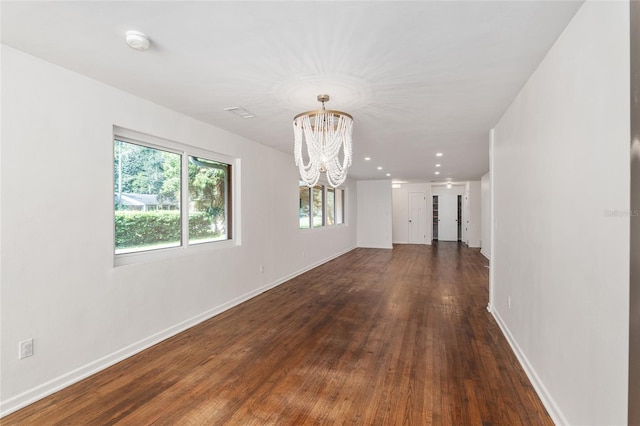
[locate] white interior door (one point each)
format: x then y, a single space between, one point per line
448 218
417 217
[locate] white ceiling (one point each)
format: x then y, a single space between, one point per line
418 77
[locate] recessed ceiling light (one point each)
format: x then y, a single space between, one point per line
448 185
367 158
396 185
137 40
437 165
436 173
388 174
439 154
241 112
379 167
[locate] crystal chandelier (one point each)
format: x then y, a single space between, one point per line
326 133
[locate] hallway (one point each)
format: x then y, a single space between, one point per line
375 336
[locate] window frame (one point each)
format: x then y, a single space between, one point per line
232 198
343 214
329 190
228 200
323 204
309 217
325 189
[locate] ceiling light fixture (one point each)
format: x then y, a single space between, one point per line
439 154
379 167
388 174
367 158
437 173
437 165
137 40
326 133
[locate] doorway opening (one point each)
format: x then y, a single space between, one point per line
447 218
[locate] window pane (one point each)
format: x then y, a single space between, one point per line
208 200
318 206
146 198
330 205
339 205
305 207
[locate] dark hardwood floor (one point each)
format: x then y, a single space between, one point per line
375 337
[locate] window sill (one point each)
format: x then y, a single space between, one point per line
321 228
161 254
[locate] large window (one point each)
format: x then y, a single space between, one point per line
168 198
320 206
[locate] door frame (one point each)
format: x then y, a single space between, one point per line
453 198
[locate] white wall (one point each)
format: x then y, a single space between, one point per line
59 285
456 189
375 223
560 162
401 211
485 215
472 221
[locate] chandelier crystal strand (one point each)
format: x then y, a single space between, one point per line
326 134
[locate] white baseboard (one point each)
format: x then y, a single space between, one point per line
426 243
376 246
548 402
41 391
485 254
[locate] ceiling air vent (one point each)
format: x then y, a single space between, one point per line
240 112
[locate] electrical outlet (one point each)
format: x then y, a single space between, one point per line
25 348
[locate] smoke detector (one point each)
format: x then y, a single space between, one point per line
137 40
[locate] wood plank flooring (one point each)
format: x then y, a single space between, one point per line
374 337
